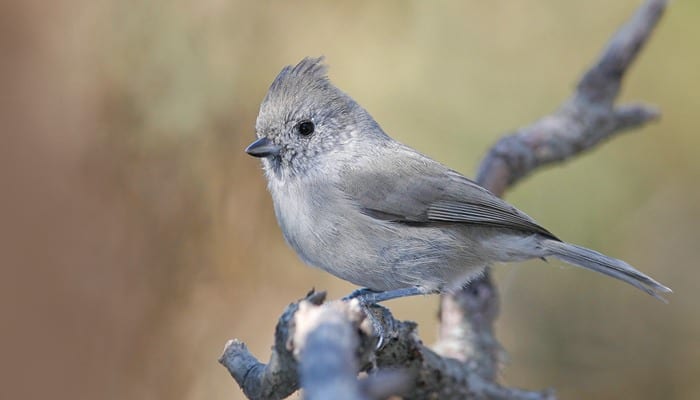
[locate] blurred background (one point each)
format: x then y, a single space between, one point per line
137 236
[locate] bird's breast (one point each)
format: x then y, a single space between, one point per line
300 207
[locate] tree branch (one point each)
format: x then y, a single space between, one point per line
582 122
328 344
326 339
333 342
585 119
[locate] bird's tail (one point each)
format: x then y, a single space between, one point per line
586 258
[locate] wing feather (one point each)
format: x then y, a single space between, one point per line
421 191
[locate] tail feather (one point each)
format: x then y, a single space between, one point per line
589 259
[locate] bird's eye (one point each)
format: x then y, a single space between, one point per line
305 128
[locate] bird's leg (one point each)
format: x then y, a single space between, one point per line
357 293
369 296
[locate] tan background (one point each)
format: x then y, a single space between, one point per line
137 237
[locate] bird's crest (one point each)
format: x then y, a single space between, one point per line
308 74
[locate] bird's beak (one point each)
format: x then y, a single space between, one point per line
263 147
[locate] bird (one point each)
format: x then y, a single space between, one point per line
370 210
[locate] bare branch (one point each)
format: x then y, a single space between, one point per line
326 340
600 85
582 122
279 378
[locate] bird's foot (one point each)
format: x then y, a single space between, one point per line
368 300
375 316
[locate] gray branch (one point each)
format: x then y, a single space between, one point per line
326 345
586 119
330 342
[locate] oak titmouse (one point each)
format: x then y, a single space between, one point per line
358 204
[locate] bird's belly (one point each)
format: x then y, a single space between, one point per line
383 256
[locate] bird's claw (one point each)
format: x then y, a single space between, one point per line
364 297
378 329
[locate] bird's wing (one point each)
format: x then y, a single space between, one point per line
415 189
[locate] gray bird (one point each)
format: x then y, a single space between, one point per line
358 204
